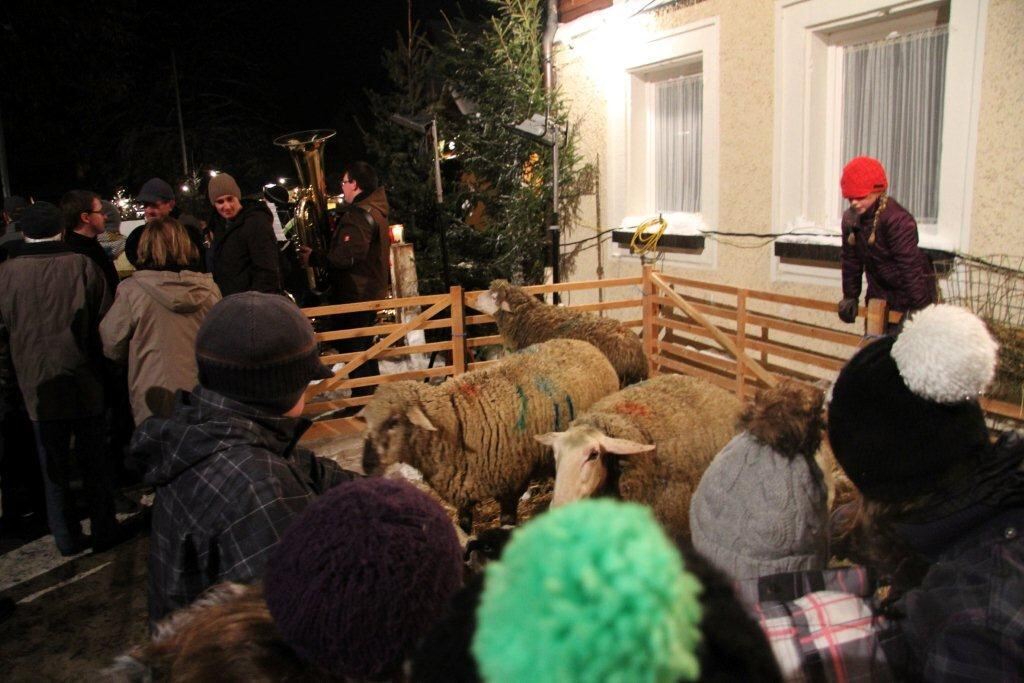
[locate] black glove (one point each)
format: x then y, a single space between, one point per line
848 310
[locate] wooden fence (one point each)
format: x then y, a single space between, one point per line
737 338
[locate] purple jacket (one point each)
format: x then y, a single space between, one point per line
898 271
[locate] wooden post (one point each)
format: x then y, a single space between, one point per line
458 330
876 314
741 339
650 335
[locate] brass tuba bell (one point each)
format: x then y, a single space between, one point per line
311 227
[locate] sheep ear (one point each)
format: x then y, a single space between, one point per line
624 446
505 307
549 438
419 418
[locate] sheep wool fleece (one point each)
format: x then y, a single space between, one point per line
485 419
687 418
531 321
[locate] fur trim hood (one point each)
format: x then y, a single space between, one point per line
789 418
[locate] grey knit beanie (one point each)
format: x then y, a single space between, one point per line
223 184
757 512
258 349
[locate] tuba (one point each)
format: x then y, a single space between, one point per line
311 228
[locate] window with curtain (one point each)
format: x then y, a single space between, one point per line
678 104
892 110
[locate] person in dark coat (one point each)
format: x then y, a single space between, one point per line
245 254
84 221
357 260
944 504
158 202
880 240
228 474
51 301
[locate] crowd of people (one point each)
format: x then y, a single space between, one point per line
269 563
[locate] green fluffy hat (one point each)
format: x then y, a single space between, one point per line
593 591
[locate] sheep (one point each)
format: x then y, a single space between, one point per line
523 320
648 443
471 436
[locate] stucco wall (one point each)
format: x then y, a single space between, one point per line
746 53
997 220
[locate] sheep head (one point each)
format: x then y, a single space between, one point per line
583 455
392 418
494 299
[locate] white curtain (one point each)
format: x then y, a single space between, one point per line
892 110
678 104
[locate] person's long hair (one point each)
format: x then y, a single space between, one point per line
165 245
226 635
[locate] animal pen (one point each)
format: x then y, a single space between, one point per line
737 338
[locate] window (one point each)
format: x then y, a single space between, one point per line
896 79
677 143
892 110
663 134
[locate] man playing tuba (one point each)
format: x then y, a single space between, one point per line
356 259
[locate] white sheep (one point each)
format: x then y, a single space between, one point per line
523 320
472 436
648 443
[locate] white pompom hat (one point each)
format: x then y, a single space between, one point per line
905 409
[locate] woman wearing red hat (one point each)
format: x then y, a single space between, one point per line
880 239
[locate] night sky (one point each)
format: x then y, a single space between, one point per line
87 89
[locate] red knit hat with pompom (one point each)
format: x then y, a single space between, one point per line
862 176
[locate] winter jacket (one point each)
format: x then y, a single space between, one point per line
153 325
51 302
245 254
88 246
897 270
965 620
359 255
229 479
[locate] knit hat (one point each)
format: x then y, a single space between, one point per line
862 176
757 512
40 220
905 410
258 348
362 574
155 190
223 184
593 591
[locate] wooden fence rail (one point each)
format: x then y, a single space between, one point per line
738 338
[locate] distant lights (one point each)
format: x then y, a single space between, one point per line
281 181
186 188
214 174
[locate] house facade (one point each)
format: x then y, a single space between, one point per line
733 118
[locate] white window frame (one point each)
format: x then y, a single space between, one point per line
808 109
630 136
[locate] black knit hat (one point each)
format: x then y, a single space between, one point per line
258 348
361 575
40 220
904 410
155 190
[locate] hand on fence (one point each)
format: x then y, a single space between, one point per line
848 310
304 253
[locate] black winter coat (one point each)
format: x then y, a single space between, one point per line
245 254
897 270
229 479
359 255
88 246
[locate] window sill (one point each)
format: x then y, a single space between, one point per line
828 254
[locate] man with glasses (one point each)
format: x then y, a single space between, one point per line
84 221
357 259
